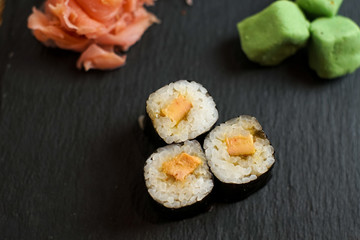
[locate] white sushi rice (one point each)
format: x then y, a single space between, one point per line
176 194
238 169
201 117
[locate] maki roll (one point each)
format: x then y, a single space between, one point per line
240 156
181 111
178 179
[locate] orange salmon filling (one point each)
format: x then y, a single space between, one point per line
240 145
181 166
177 109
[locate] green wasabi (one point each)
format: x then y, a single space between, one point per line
320 8
274 34
334 48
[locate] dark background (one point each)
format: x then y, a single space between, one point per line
72 154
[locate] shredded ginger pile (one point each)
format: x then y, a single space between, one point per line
93 27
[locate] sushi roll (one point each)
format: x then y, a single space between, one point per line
181 111
240 156
178 178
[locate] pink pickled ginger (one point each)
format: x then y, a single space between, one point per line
93 27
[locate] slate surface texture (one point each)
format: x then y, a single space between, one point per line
72 154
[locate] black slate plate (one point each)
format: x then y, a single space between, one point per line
71 152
